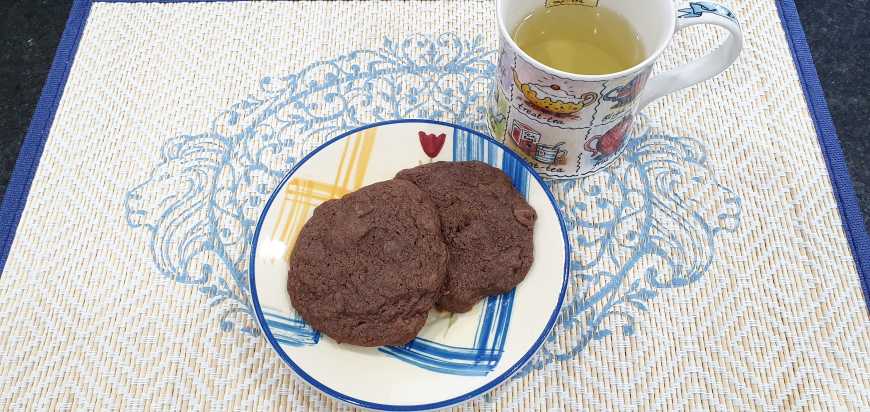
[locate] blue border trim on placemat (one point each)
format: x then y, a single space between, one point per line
15 197
850 211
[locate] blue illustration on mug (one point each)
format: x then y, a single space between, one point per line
623 97
699 8
625 94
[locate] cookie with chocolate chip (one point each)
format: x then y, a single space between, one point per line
367 268
487 225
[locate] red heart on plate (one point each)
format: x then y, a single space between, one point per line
432 144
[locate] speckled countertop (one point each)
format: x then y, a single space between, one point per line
837 31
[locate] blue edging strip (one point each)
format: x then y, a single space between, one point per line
15 197
850 211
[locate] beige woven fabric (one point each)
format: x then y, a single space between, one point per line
98 306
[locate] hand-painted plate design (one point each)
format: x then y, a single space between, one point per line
455 357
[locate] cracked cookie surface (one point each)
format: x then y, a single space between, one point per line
367 268
487 225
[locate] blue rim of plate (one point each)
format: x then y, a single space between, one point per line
441 404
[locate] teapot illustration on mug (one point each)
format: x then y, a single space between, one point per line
553 98
605 145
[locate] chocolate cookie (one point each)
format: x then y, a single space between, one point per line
487 225
368 267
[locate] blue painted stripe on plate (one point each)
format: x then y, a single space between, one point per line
432 349
518 174
504 320
290 330
440 367
485 325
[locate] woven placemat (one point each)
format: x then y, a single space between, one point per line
717 265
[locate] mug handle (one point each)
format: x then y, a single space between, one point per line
708 66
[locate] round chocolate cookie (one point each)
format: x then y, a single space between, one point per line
368 267
487 225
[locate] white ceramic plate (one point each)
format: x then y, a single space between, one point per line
454 358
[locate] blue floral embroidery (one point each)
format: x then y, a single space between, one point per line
698 8
658 213
658 210
201 203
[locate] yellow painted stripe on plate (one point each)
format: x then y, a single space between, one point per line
304 194
357 140
341 161
281 209
368 144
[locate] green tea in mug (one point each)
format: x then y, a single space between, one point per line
579 39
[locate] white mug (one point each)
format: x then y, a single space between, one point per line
569 125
